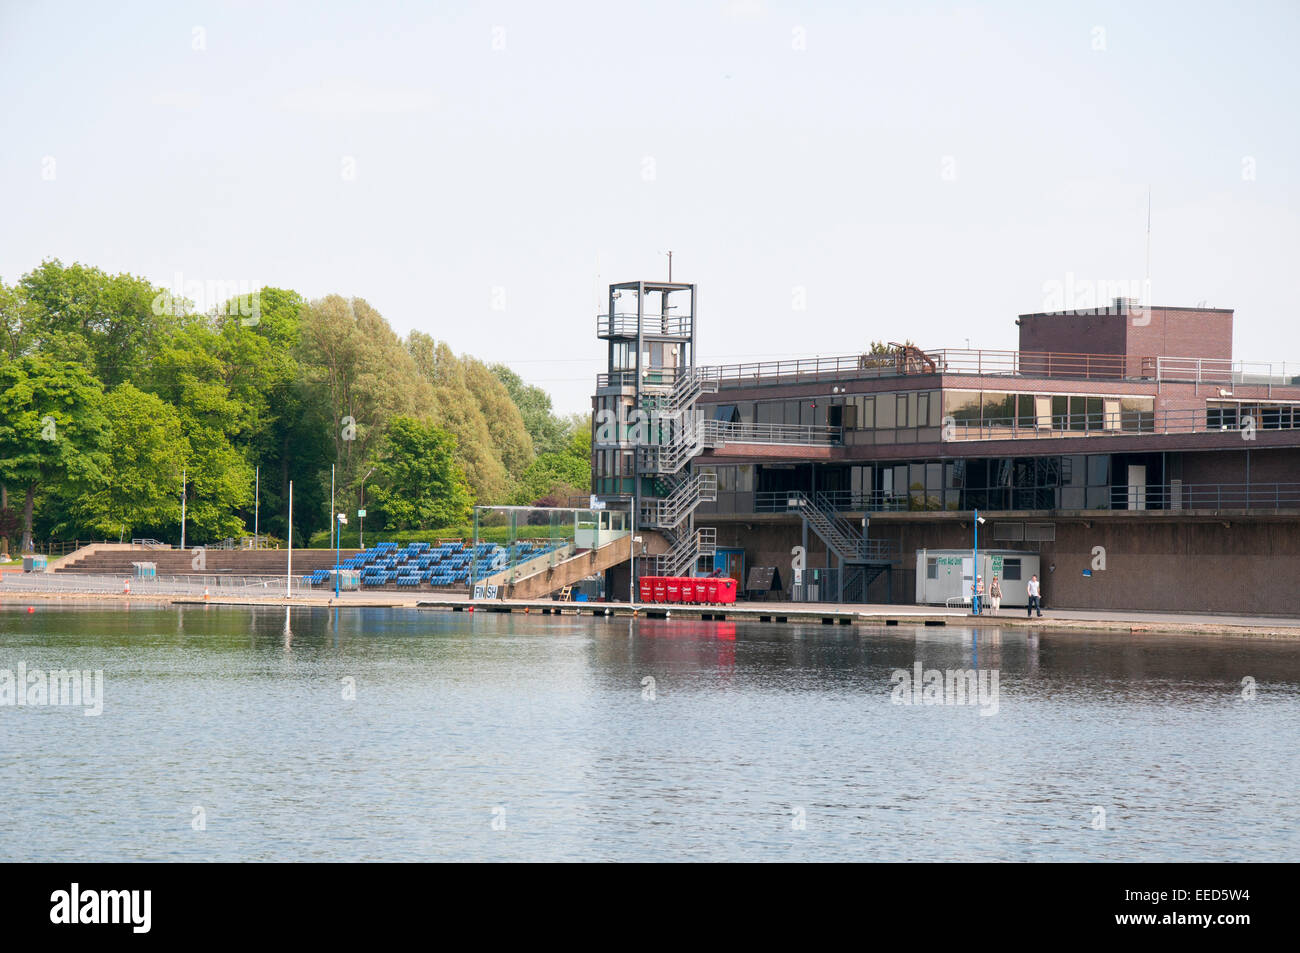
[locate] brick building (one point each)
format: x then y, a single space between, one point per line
1124 430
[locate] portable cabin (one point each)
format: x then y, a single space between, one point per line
946 576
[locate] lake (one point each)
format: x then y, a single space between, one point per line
399 734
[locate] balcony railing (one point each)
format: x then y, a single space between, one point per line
1125 423
624 325
1152 496
652 377
719 433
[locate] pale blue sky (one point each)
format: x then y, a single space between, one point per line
918 170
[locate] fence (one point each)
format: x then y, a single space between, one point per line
85 583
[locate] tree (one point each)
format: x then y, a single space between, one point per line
53 430
419 484
548 431
140 485
560 475
363 376
457 411
114 316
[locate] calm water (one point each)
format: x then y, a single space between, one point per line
498 737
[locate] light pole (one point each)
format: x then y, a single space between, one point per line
343 521
975 570
361 510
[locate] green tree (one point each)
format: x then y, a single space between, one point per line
548 431
53 430
457 410
363 376
120 319
559 474
418 482
140 483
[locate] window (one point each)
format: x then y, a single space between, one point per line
1010 569
961 404
932 568
1025 415
1060 413
903 417
923 410
886 412
999 409
867 413
1099 470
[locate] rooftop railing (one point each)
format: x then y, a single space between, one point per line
993 363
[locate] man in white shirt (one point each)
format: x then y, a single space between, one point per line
1035 598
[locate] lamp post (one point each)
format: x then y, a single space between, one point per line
975 570
343 521
361 510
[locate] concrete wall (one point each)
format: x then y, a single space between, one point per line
1166 562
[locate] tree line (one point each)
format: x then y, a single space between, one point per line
114 391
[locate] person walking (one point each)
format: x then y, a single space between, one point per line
1035 598
995 595
977 594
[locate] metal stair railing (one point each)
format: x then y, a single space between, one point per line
684 445
685 552
680 502
843 538
686 390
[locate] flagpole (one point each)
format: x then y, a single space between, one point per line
288 575
182 509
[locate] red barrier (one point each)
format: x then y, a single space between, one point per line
660 588
674 585
726 591
711 591
701 588
647 588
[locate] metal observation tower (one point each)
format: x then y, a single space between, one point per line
647 430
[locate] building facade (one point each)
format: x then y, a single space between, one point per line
1124 445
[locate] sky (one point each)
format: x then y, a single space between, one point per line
828 174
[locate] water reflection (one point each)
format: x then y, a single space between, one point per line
549 719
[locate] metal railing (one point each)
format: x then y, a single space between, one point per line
1004 363
719 433
1204 370
686 550
151 544
1208 496
681 501
1168 496
1126 423
95 583
842 501
624 324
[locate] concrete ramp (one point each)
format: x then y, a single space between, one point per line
567 572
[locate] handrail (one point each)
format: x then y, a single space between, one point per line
1007 363
1162 496
1263 416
